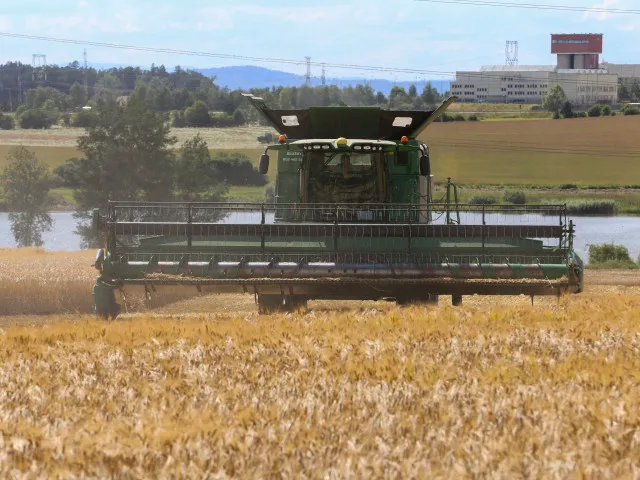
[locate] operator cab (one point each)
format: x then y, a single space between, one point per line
342 177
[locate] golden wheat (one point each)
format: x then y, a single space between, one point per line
439 392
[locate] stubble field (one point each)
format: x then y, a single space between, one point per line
203 386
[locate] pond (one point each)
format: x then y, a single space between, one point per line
589 230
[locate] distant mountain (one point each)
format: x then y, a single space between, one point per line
246 77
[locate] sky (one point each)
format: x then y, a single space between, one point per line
438 37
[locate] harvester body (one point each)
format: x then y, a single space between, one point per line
353 218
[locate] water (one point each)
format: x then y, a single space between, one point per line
619 230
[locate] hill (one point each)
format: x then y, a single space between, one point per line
246 77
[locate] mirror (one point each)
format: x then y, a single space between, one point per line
263 165
425 166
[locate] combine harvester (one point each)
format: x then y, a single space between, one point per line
353 219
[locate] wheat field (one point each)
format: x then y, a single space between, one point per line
206 387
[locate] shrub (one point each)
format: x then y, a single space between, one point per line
458 117
36 118
613 114
85 119
517 197
482 200
6 122
556 116
630 110
568 186
595 111
473 118
197 115
235 169
567 110
608 252
606 111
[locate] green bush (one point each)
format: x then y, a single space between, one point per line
567 110
630 110
580 115
568 186
36 118
458 117
235 169
85 119
6 122
603 253
482 200
517 197
606 111
595 111
473 118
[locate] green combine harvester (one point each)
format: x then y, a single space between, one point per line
354 218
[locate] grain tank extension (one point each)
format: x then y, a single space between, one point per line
354 217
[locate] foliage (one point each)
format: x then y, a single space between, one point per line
197 115
608 252
85 119
6 122
235 169
78 96
630 110
127 156
192 173
517 197
567 110
37 119
482 200
595 111
606 110
555 99
26 187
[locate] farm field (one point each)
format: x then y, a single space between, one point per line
588 151
496 387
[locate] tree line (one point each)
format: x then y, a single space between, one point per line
187 97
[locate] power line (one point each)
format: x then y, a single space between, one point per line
447 74
534 6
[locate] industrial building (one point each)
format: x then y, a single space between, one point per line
577 71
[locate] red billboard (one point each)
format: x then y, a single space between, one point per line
576 43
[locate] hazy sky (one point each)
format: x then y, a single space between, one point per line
400 33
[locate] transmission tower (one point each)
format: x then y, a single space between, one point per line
307 77
511 52
324 76
39 68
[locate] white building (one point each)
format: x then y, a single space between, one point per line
529 84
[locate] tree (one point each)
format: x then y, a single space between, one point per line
26 188
37 119
192 169
430 95
555 99
567 110
127 156
77 95
6 122
413 91
197 115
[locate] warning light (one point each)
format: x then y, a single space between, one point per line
404 139
341 142
282 138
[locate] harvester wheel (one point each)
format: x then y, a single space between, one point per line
456 300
